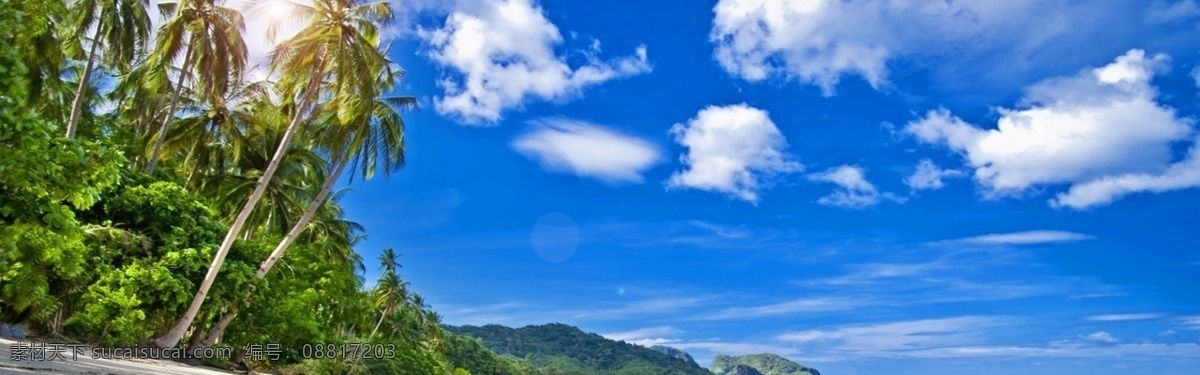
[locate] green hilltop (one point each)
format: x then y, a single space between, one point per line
754 364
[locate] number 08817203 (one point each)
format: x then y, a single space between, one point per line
348 351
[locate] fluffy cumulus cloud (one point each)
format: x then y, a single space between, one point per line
1101 132
928 176
501 53
821 41
587 150
853 190
734 150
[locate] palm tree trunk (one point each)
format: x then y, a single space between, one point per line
376 329
195 335
303 222
171 339
215 333
80 93
218 330
162 130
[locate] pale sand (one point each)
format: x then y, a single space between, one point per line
87 365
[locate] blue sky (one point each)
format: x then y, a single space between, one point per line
866 187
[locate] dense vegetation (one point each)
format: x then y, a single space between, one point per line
563 349
754 364
148 189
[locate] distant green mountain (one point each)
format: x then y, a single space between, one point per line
566 350
758 364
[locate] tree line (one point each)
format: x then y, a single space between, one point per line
153 193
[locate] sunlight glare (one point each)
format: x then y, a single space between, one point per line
276 10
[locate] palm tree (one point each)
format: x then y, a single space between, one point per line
390 291
334 54
375 141
213 38
122 26
41 51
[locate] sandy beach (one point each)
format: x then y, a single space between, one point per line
87 365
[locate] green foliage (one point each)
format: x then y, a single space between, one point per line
44 179
469 355
559 348
767 364
111 308
94 250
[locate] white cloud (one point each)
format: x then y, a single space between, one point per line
649 336
735 150
502 53
898 336
928 176
1101 336
806 305
652 306
1191 322
723 231
1100 132
1164 11
964 337
1105 190
854 192
1196 75
1073 350
587 150
820 42
1123 317
1033 237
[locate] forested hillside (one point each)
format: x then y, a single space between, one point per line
560 348
756 364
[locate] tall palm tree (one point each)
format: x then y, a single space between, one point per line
210 39
335 55
121 26
375 141
390 291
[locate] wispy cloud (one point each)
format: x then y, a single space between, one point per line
497 313
966 337
1061 350
648 336
807 305
722 230
587 150
1033 237
897 336
1098 295
1190 322
650 306
1123 317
